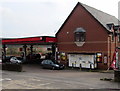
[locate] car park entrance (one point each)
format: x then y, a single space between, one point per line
30 49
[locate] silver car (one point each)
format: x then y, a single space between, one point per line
15 60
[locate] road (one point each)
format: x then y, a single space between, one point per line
37 78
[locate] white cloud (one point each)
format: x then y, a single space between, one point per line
6 12
32 21
5 15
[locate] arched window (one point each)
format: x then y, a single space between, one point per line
79 35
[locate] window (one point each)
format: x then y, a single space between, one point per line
79 34
115 32
113 35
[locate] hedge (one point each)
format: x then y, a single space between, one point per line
12 67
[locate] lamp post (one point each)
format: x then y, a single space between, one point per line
118 63
117 40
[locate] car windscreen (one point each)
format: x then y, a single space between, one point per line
50 62
55 62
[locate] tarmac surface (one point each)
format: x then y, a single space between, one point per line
34 77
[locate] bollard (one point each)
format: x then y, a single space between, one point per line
80 67
90 67
72 65
75 63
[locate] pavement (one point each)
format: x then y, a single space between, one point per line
34 77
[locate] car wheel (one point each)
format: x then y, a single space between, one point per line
43 67
53 68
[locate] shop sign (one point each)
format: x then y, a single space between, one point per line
99 57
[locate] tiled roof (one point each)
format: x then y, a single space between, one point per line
102 17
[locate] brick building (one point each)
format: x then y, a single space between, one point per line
88 38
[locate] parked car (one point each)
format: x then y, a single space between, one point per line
6 59
33 58
51 64
15 60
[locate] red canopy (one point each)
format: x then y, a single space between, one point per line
30 40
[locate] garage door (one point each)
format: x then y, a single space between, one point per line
85 61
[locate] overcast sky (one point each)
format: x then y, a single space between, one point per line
28 18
